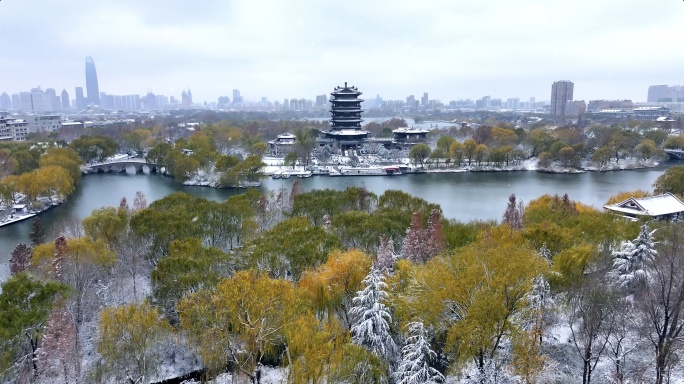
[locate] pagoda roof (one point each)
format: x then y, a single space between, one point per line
345 100
352 109
347 132
351 90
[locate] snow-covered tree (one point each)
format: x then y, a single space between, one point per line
414 247
386 256
139 201
414 367
540 294
630 262
545 253
20 259
513 214
370 327
540 301
434 235
57 355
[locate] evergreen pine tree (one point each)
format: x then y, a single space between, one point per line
123 204
416 357
545 253
513 215
20 259
371 317
37 234
630 262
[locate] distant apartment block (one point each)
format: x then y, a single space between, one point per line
237 98
665 94
42 123
5 101
650 113
561 93
12 129
223 102
513 103
575 107
597 105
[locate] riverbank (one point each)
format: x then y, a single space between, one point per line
276 166
21 212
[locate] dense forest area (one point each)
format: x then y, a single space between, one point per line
345 286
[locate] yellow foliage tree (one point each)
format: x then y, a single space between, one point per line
622 196
331 287
473 295
314 348
242 321
128 341
65 158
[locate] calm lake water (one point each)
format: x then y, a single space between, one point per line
462 196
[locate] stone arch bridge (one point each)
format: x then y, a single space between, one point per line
120 166
675 154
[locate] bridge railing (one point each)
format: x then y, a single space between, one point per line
120 161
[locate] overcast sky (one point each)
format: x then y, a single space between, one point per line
451 49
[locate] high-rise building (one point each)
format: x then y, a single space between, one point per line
665 94
52 100
561 93
5 101
237 99
41 101
424 99
186 99
223 102
81 101
65 100
513 103
656 93
92 87
16 101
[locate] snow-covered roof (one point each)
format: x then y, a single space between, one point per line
661 205
410 130
650 109
347 132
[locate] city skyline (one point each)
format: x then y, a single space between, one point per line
280 50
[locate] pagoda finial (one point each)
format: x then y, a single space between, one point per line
345 84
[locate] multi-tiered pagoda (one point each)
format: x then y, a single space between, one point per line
346 118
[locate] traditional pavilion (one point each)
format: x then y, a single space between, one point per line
408 137
661 207
282 145
346 120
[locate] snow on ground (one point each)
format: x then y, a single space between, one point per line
209 178
269 375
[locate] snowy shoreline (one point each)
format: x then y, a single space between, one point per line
274 165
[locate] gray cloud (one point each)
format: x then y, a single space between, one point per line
609 48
